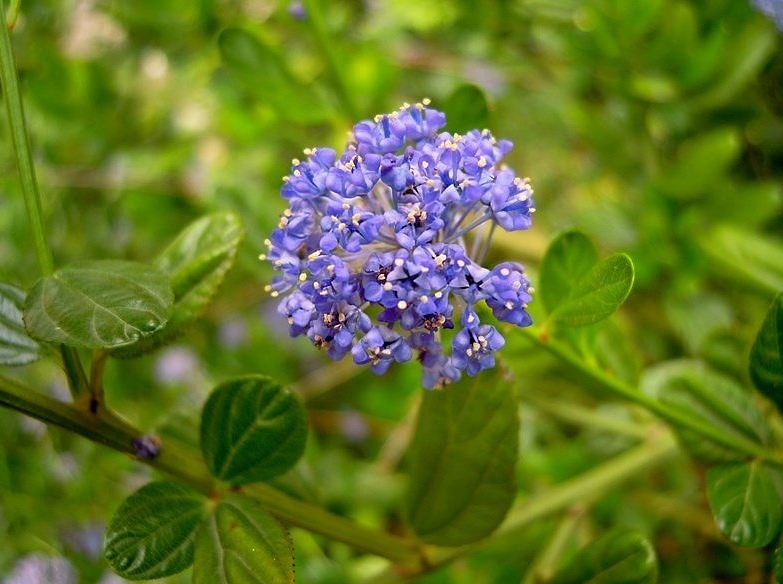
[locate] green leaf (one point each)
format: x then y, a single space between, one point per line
241 543
152 534
621 556
567 260
746 256
99 304
461 461
597 294
252 429
745 502
766 356
197 262
711 399
466 108
16 345
778 565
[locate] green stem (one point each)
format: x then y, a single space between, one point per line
546 563
582 490
21 142
187 465
326 46
676 417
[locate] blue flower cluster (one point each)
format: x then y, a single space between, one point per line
372 248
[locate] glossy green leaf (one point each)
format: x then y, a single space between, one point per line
197 262
461 461
711 399
16 345
252 429
597 294
99 304
766 356
466 108
567 260
152 534
621 556
745 502
241 543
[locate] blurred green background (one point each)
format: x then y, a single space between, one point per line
655 126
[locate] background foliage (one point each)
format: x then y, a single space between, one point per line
653 126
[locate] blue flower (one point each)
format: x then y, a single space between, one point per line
380 250
771 8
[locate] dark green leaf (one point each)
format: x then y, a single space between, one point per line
567 260
745 502
597 294
197 262
466 109
99 304
16 346
778 567
766 356
461 461
714 400
152 533
251 430
240 543
621 556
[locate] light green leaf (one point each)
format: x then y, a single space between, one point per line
99 304
16 345
461 461
746 256
152 534
766 356
597 294
567 260
252 429
745 502
241 543
621 556
197 262
712 399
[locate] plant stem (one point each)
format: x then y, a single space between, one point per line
582 490
21 142
187 465
674 416
545 564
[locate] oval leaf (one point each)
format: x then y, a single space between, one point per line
461 461
745 502
252 430
467 108
713 399
240 543
766 356
567 260
597 294
16 345
197 262
98 304
153 532
618 557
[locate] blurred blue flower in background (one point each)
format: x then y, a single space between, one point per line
382 246
771 8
